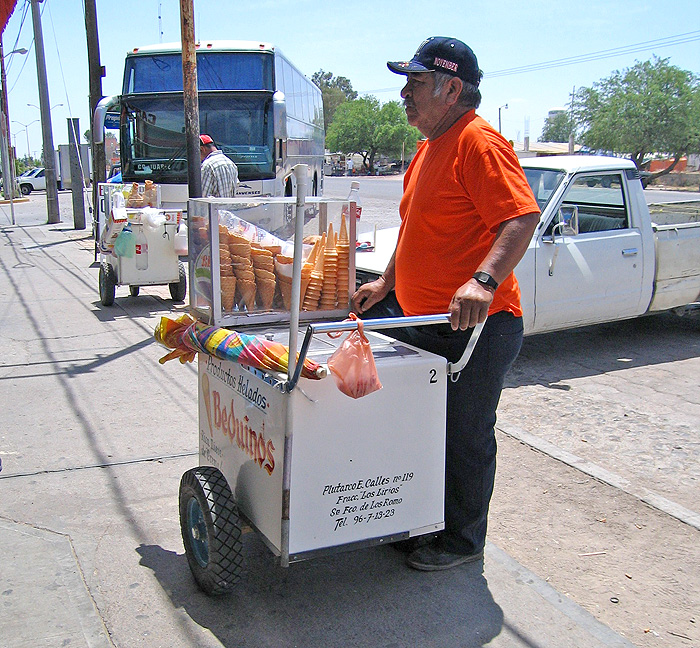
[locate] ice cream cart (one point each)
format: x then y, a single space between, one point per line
310 469
138 245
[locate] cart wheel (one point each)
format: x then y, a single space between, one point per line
179 290
134 291
211 530
108 284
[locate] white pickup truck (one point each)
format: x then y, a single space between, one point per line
599 253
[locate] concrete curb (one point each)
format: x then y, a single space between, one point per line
647 496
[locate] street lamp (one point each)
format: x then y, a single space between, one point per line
505 106
37 107
8 170
26 131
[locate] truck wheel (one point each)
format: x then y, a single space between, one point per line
211 530
108 284
178 290
134 291
25 189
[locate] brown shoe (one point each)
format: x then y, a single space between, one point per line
432 558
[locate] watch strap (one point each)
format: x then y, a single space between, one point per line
485 279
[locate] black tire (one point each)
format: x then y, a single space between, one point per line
134 291
108 284
211 530
178 290
25 189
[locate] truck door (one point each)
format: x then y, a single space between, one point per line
588 257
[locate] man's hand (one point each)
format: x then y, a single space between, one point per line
470 305
367 295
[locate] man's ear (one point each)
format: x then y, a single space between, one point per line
454 89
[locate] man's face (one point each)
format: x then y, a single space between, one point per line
203 152
423 109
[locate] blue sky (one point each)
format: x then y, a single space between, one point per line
355 39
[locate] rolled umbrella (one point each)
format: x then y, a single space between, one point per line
187 336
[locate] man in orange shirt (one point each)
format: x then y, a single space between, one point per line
467 217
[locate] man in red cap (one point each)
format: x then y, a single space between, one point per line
219 173
467 217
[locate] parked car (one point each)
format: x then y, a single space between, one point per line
32 180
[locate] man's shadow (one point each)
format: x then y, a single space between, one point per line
364 598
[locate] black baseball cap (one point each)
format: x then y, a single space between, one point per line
442 54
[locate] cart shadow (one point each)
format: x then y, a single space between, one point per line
550 358
142 306
364 599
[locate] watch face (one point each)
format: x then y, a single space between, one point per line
486 279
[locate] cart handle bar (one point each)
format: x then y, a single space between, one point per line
453 368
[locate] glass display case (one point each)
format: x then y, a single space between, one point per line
243 258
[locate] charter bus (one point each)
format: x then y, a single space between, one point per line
261 111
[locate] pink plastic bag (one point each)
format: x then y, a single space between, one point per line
352 365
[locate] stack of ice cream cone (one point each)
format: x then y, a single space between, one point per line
239 248
135 199
228 280
264 269
312 294
343 247
329 291
150 194
283 272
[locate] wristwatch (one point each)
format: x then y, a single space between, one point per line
485 279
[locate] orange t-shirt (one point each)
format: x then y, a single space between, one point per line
458 190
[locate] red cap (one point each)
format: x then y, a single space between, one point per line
205 139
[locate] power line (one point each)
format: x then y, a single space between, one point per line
596 56
669 41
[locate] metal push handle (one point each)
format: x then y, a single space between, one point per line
453 369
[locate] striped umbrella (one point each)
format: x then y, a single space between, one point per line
187 336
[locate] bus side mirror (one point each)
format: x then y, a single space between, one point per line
98 119
279 112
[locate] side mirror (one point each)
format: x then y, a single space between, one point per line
567 221
279 111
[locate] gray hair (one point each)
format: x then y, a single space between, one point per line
470 97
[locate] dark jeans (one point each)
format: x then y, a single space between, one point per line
472 400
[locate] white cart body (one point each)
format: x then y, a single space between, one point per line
360 471
163 267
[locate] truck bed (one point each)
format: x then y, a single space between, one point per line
677 278
675 213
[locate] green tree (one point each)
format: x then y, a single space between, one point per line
335 91
364 126
652 107
558 127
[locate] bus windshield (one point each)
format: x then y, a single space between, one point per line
153 134
215 71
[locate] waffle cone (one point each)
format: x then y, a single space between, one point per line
228 292
286 291
343 237
266 293
247 291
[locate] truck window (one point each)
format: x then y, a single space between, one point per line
543 183
600 200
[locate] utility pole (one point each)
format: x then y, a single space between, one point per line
96 71
77 181
8 176
189 86
54 215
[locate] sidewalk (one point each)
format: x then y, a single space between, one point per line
95 437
